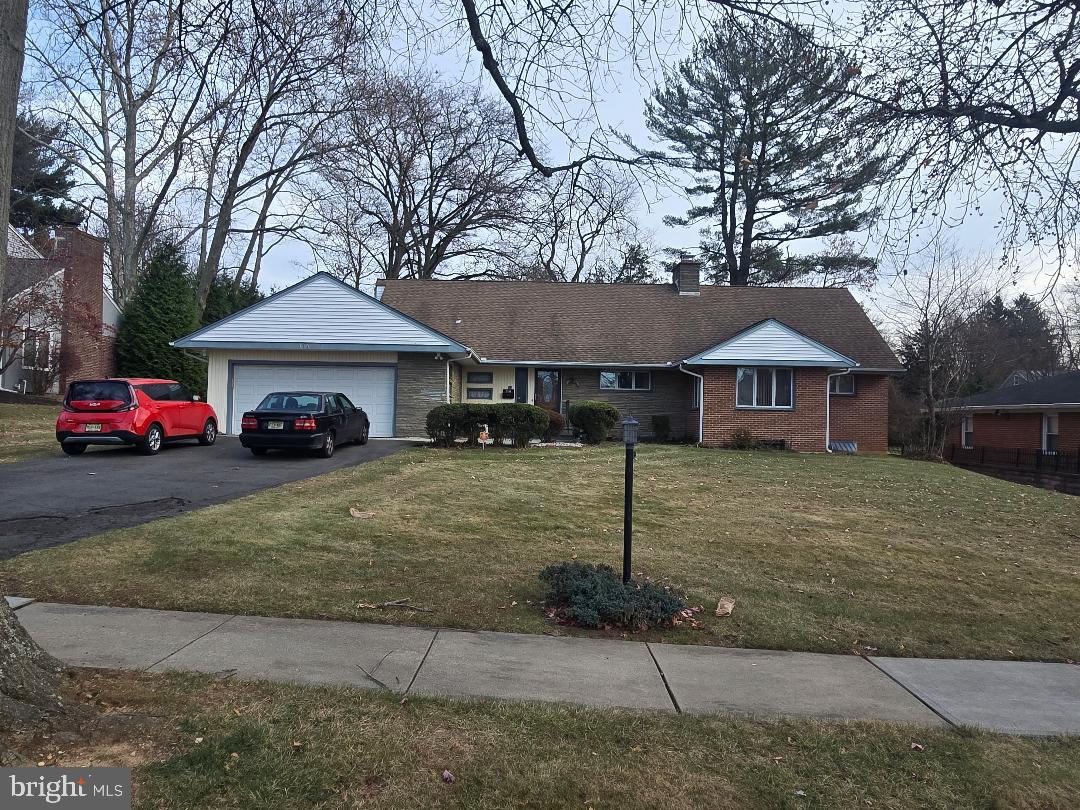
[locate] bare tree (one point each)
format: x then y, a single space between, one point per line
982 99
429 184
933 300
584 215
131 80
291 68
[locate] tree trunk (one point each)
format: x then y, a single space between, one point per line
29 676
12 45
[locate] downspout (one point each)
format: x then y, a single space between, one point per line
828 401
448 381
701 402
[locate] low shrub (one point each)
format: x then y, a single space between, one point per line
661 427
595 596
464 420
743 439
556 425
594 420
517 421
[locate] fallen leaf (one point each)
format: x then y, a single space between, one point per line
725 606
916 747
356 513
448 777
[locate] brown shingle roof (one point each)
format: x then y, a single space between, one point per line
628 323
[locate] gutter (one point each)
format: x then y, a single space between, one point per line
701 402
828 403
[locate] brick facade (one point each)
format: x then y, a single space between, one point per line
801 428
863 418
669 396
87 348
421 385
1019 430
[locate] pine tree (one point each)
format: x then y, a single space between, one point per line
40 183
224 299
161 310
777 154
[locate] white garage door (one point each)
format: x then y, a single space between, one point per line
370 388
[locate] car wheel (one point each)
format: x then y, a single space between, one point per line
363 435
153 440
257 451
73 449
209 433
327 448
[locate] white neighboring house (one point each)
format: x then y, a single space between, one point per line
59 321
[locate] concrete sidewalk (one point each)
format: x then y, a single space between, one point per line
1014 697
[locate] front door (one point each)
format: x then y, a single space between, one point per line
548 393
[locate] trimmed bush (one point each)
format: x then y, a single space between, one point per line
661 427
595 596
594 420
464 420
516 421
556 425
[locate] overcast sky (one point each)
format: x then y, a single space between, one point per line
622 109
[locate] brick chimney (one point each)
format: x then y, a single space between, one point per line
86 351
687 275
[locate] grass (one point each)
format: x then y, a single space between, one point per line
27 431
822 553
225 744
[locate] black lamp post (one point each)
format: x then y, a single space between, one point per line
630 436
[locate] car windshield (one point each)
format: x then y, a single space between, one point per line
99 391
291 402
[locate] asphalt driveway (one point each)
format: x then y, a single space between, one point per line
50 501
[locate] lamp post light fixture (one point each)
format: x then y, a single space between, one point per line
630 437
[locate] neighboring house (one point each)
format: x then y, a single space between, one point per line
1040 415
59 321
1022 377
801 366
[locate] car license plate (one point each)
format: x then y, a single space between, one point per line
275 425
93 427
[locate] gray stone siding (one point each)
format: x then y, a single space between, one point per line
670 396
421 385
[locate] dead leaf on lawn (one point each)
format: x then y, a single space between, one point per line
448 777
725 606
356 513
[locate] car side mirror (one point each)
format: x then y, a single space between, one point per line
196 398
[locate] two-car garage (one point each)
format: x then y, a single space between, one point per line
322 335
369 387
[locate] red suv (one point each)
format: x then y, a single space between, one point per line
145 413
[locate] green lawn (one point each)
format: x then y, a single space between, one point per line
27 431
203 744
822 553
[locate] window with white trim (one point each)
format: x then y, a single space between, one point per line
625 380
765 388
967 432
478 393
36 350
695 394
842 385
1050 433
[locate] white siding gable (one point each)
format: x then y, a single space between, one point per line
319 313
771 342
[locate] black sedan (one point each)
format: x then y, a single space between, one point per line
303 420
